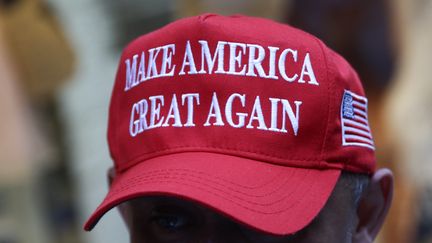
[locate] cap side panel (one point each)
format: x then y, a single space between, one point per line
355 158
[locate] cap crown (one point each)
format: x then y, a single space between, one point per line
241 86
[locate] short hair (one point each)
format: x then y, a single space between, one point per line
357 183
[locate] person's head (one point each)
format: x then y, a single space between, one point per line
241 129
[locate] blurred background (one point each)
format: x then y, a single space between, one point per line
58 59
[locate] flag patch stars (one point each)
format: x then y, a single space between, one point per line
354 119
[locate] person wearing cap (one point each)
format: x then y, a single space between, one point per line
241 129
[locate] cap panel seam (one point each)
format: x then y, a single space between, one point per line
330 83
227 151
220 148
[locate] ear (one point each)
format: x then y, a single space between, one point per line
122 208
374 205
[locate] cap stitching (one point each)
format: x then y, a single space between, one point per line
308 191
328 98
161 173
227 197
209 148
221 148
223 179
140 180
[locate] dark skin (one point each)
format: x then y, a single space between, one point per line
161 219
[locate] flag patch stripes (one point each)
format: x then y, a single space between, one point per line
354 119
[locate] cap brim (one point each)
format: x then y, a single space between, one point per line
272 198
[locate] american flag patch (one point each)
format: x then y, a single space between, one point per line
355 124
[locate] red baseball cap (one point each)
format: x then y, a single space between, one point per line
252 118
